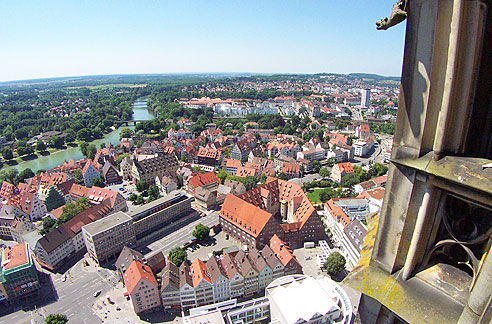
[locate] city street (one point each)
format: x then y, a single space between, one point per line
74 297
306 178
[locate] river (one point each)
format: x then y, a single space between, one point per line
140 112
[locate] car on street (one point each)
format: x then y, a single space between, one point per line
97 293
64 278
121 189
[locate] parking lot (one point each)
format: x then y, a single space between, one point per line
179 236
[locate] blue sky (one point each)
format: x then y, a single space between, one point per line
67 38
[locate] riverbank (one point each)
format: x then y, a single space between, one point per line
40 161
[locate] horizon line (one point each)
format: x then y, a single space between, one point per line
184 73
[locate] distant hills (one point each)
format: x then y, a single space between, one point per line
375 77
138 78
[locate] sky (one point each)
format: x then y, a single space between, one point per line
41 39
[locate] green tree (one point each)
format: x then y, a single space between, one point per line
48 224
350 179
7 153
334 263
40 146
222 175
121 157
180 181
23 175
324 196
153 193
377 169
141 185
24 149
324 172
201 233
56 319
331 161
263 178
98 182
53 199
70 135
8 132
56 142
362 173
126 133
83 145
139 200
249 182
177 256
8 174
77 174
132 197
84 134
91 151
281 176
316 166
70 210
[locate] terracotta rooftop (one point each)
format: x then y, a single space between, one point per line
202 179
135 272
282 250
199 272
14 256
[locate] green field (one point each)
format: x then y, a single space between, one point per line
314 196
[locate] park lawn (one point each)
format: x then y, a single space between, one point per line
314 196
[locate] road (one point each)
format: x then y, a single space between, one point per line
356 114
179 236
74 297
306 178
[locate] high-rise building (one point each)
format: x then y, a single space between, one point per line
365 99
426 257
18 274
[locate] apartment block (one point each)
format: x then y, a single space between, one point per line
105 238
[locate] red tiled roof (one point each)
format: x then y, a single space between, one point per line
202 179
376 193
282 250
290 168
345 166
135 272
15 255
199 272
97 195
232 163
245 215
245 172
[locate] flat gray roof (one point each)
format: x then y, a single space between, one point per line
173 195
107 223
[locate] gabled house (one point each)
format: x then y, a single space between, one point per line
142 287
206 180
90 171
240 150
165 184
339 170
28 204
110 174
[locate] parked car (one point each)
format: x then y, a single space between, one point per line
97 293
